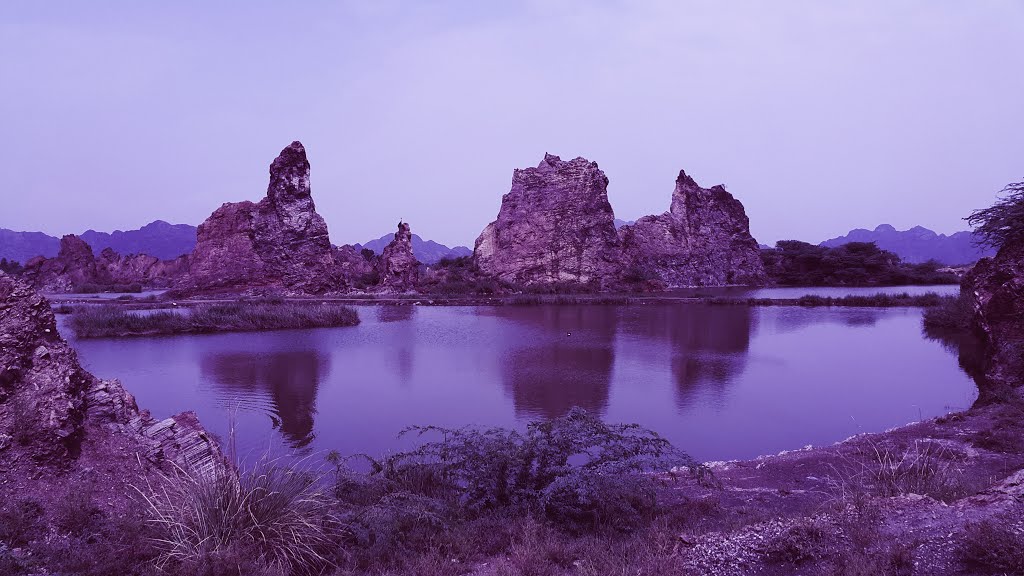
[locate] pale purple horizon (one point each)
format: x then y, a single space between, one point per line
820 117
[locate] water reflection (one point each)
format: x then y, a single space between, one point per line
567 361
291 379
969 350
387 313
708 344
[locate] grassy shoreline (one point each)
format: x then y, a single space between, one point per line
879 300
113 321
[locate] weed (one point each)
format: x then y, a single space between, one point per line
265 520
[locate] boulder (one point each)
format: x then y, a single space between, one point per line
555 226
279 242
703 240
399 269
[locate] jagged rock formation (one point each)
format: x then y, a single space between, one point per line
399 269
280 241
75 267
703 240
49 405
426 251
141 268
555 225
996 287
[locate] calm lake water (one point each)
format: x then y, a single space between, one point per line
721 382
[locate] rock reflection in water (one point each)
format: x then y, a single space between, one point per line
569 363
708 344
291 379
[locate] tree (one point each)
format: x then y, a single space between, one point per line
1003 222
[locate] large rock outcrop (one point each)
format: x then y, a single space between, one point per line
703 240
399 269
51 408
73 267
996 288
143 269
555 226
76 267
279 242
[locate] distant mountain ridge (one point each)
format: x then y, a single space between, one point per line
426 251
158 238
918 244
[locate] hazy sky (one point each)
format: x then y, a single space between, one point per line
819 116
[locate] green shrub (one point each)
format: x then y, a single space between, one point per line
575 470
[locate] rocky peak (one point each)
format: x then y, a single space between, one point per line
280 242
554 225
703 240
74 249
399 269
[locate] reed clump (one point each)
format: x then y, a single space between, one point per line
116 321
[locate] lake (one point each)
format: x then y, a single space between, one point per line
721 382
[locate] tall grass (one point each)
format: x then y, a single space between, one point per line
113 320
270 519
953 313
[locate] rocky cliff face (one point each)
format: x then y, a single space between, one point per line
554 225
703 240
399 269
996 286
279 242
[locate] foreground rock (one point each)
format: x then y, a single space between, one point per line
703 240
63 431
278 242
399 269
555 226
996 287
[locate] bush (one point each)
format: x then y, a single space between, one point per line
269 519
950 313
19 523
992 547
575 470
800 543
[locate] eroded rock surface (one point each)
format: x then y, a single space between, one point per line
996 286
280 241
555 225
703 240
399 269
50 407
74 266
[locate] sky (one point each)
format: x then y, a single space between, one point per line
819 116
